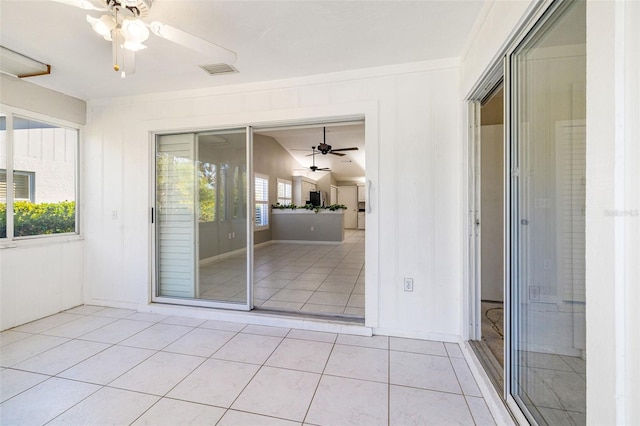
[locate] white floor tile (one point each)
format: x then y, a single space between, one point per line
47 323
147 316
26 348
423 371
301 355
265 330
410 406
170 412
10 336
251 348
115 312
322 309
428 347
317 336
336 287
108 365
349 310
61 357
356 301
303 285
223 325
158 374
378 342
359 363
116 331
78 327
215 382
13 382
329 298
286 295
240 418
186 321
465 377
453 350
341 401
108 406
157 336
480 412
200 342
44 402
279 393
277 304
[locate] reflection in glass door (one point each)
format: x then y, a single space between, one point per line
547 323
202 219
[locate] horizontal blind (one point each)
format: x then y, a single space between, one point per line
176 215
21 185
261 189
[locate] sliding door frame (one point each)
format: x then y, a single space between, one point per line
249 201
535 18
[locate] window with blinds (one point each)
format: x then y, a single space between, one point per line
23 184
261 189
284 192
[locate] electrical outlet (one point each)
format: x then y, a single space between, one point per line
534 292
408 284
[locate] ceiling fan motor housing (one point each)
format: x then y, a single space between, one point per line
137 8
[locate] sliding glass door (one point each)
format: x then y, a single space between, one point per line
547 219
203 225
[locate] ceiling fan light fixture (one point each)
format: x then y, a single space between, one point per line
103 25
134 31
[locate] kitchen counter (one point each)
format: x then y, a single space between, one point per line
307 226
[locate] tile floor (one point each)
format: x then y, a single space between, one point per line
93 365
311 278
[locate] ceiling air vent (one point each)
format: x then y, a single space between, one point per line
216 69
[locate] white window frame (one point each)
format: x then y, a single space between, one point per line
261 202
10 113
285 201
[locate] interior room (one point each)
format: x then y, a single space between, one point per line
153 266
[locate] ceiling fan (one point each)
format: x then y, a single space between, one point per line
325 149
123 26
313 167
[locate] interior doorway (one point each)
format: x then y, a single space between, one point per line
489 233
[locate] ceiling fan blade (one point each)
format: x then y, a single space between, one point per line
190 41
337 153
82 4
353 148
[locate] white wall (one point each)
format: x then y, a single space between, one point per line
41 276
413 152
36 281
613 213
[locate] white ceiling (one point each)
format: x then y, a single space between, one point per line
298 141
273 40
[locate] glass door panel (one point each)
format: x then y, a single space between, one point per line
547 340
201 218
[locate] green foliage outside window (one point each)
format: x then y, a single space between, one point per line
39 219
